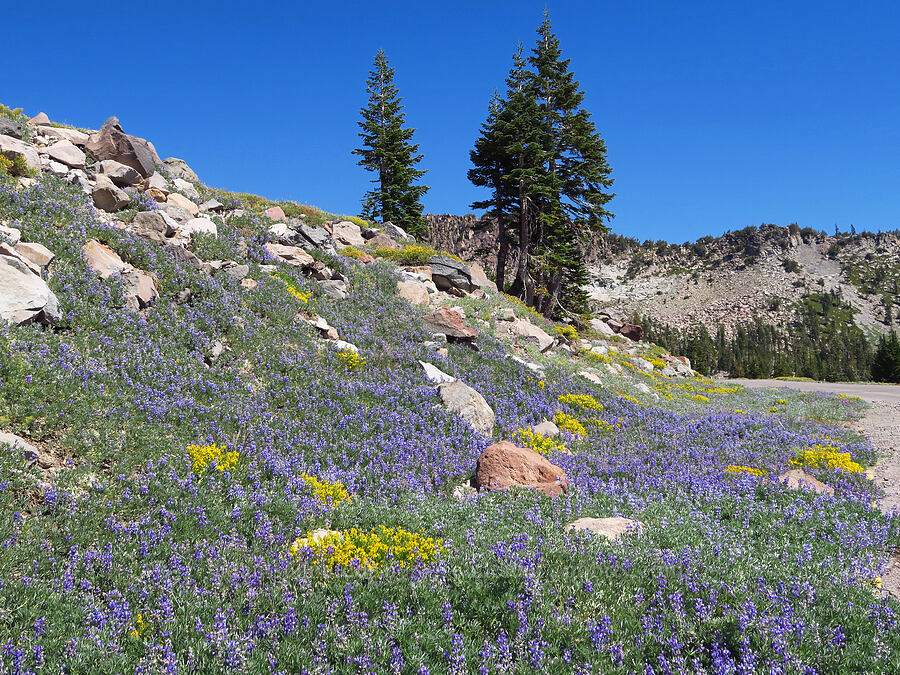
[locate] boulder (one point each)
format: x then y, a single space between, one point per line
546 429
173 211
292 255
183 203
505 314
611 528
195 225
632 331
798 479
10 235
318 237
152 225
77 137
275 213
347 233
447 322
615 324
40 119
10 127
158 182
591 376
235 270
12 147
107 196
212 205
113 143
334 288
382 241
140 289
479 278
120 174
450 274
179 168
434 374
601 327
20 444
530 333
37 254
413 291
461 399
156 195
250 284
24 296
395 232
103 260
504 465
187 188
67 153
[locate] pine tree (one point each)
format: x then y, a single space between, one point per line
388 151
886 364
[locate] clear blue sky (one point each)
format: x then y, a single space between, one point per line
717 115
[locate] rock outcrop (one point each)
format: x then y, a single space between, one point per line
504 465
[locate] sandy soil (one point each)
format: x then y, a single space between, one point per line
881 425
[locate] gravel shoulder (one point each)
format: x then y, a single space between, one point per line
881 425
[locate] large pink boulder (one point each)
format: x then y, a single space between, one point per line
503 465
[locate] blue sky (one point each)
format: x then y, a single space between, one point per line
717 115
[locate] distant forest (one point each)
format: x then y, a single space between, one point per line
823 344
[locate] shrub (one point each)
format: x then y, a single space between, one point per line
537 442
16 166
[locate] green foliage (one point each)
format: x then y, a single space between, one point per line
822 343
388 151
886 362
545 164
16 166
790 266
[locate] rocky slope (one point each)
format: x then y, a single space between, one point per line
726 280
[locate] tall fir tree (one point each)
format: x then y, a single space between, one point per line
540 154
388 151
578 174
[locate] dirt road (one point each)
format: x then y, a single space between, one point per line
881 425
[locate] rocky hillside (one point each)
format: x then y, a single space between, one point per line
755 272
239 435
726 280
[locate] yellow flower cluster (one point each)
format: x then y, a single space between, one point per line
352 252
602 425
567 332
325 491
368 549
594 356
302 296
699 397
351 359
773 409
140 626
781 401
204 455
658 363
826 455
744 469
631 398
581 401
537 442
569 423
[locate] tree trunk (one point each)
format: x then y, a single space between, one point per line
552 294
524 243
502 254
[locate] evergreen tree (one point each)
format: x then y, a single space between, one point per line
540 154
388 151
508 159
886 364
577 173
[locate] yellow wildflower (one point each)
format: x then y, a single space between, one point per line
140 626
537 442
367 550
826 455
204 455
569 423
351 359
581 401
302 296
326 491
734 468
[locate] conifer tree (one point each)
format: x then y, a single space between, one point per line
578 175
388 151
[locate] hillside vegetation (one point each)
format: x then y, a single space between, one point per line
226 457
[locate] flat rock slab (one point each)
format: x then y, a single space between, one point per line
612 528
504 465
24 296
448 322
292 255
